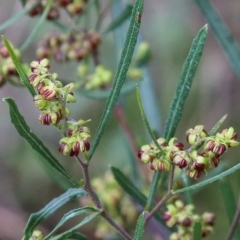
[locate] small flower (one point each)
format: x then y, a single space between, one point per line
160 165
181 159
39 102
48 92
196 133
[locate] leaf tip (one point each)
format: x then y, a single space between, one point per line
6 99
205 27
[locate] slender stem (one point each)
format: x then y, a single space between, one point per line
170 184
101 17
165 198
97 203
197 144
234 223
156 208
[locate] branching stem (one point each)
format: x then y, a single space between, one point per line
97 203
234 223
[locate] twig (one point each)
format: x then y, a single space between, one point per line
97 203
234 223
165 198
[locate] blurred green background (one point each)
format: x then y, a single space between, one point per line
169 27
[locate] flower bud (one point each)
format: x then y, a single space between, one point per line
39 102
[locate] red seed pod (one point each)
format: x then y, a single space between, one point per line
45 119
61 147
140 152
166 217
36 10
64 3
47 93
87 145
4 52
179 145
76 149
187 222
53 14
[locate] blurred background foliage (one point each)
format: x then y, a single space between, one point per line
169 27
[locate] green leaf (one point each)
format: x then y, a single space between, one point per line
68 233
50 208
70 215
98 94
131 189
209 181
222 34
77 236
121 73
197 231
144 117
23 2
185 82
229 203
16 17
37 27
19 68
23 129
123 16
128 186
217 125
59 25
139 231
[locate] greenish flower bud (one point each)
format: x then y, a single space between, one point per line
37 235
134 73
39 102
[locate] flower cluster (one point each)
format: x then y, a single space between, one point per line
76 140
7 68
99 79
52 95
51 100
74 7
194 161
118 205
182 217
73 46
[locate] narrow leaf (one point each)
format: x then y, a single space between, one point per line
208 181
229 203
183 87
98 94
23 129
59 25
139 231
121 73
144 117
128 186
222 34
197 231
123 16
50 208
217 125
70 215
77 236
16 17
19 68
131 189
23 2
37 27
68 233
185 82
